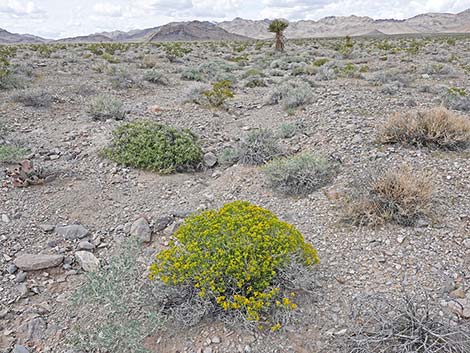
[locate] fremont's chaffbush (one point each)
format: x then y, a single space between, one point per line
237 258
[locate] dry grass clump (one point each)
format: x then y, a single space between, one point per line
399 195
436 127
409 324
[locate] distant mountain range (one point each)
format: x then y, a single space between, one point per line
241 29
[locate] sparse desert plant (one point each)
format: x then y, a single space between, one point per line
115 290
104 107
153 146
10 153
258 147
436 127
175 50
192 74
233 258
110 58
255 81
220 92
456 98
320 62
291 94
278 27
326 72
229 156
399 195
155 76
299 175
217 70
288 130
410 323
36 98
121 78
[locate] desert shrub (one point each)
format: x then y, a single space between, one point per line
228 156
175 50
253 72
110 58
388 76
192 74
456 98
121 78
232 258
155 76
149 145
217 70
104 107
36 98
115 290
410 323
10 153
288 130
436 127
299 175
399 195
438 69
220 92
195 94
259 147
291 94
326 72
320 62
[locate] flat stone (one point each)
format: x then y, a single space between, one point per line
141 229
162 223
72 232
85 245
33 262
87 261
47 227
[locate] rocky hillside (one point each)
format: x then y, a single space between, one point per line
356 25
7 37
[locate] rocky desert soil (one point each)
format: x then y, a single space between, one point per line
53 233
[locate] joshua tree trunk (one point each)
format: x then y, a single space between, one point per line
279 41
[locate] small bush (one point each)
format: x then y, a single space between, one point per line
105 107
233 258
292 94
110 58
156 77
195 94
192 74
36 98
299 175
149 145
259 147
320 62
229 156
436 127
398 195
9 153
411 323
121 79
288 130
220 92
456 98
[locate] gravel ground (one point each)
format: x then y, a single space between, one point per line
341 120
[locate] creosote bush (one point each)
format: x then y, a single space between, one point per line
436 127
399 195
104 107
35 98
150 145
220 92
299 175
233 258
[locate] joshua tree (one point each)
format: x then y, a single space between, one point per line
278 27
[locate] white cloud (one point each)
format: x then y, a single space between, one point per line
17 8
107 9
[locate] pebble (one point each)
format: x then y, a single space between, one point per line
210 159
20 349
5 218
85 245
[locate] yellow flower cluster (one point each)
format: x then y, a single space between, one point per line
232 256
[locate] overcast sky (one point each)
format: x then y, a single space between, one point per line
63 18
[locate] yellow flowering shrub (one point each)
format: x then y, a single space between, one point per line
232 256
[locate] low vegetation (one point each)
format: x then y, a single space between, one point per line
436 127
259 147
299 175
149 145
104 107
235 259
401 195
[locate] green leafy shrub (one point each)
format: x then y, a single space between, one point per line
299 175
399 195
105 107
175 50
149 145
233 257
320 62
259 147
220 92
436 127
110 58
